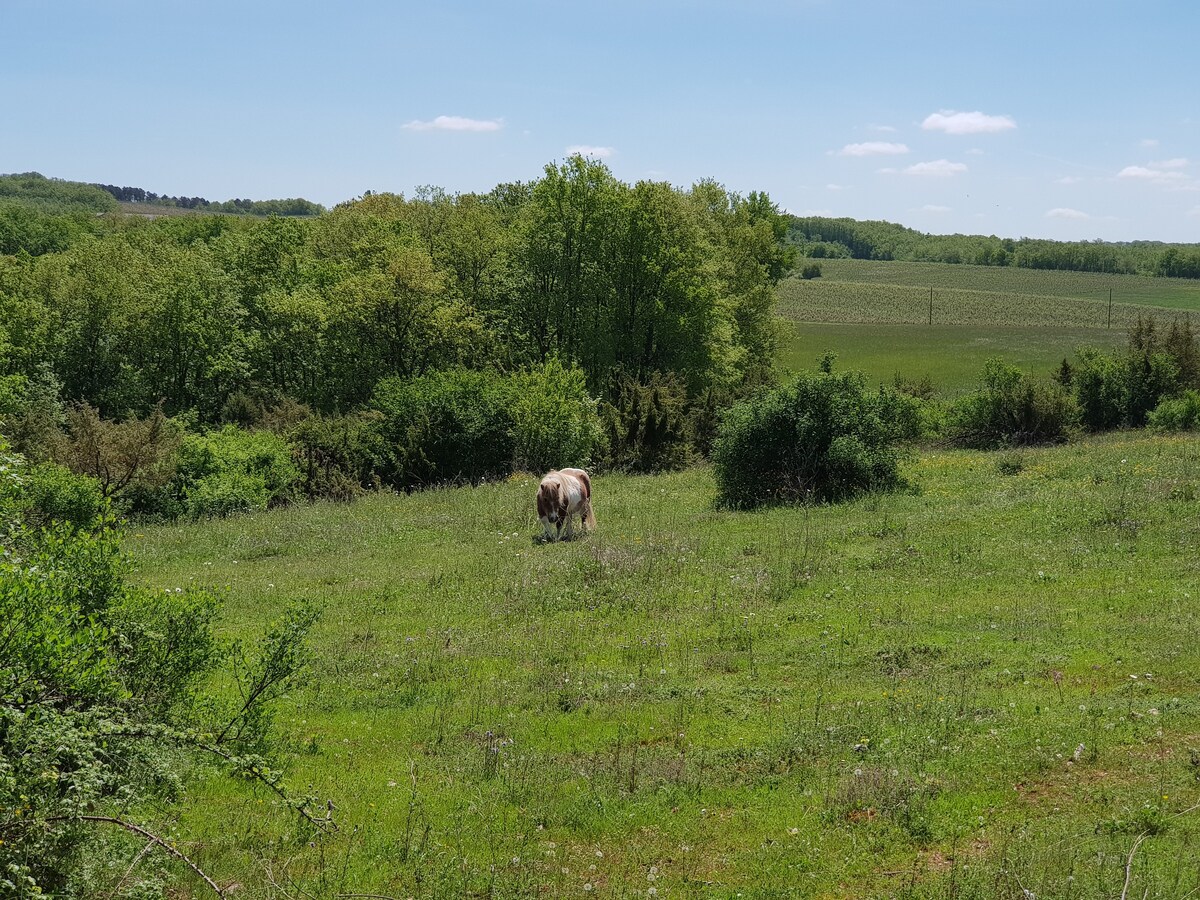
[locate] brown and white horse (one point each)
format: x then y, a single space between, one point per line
561 495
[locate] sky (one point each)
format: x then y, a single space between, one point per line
1026 118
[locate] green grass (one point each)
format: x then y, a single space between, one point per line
875 317
951 356
1135 290
985 685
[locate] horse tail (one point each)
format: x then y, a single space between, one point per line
589 517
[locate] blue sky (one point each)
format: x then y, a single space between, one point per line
1069 120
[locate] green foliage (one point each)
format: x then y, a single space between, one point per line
231 471
819 236
554 419
339 456
1123 388
55 494
810 271
1180 413
821 437
647 423
444 427
461 425
54 195
1012 408
95 677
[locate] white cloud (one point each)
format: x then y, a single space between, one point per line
1064 212
1149 143
835 187
1068 179
1177 163
940 168
933 208
1152 176
873 148
976 122
590 151
1194 212
456 123
886 129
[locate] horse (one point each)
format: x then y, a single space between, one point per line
561 495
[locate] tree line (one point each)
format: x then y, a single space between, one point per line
819 237
293 206
660 299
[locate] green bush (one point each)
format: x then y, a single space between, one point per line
101 710
460 425
1177 414
821 437
1012 409
339 456
55 494
444 427
554 420
646 423
232 470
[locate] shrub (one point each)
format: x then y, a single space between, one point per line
446 426
95 676
646 423
231 470
119 455
55 494
821 437
1012 409
810 271
554 420
460 425
1177 414
338 456
1101 390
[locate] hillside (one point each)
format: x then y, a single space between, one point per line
58 196
876 316
54 195
818 237
991 677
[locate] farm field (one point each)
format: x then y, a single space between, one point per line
952 356
986 686
874 316
1137 290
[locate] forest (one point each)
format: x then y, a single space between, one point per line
819 238
388 323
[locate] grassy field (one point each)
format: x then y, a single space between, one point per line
1135 290
875 316
984 686
951 356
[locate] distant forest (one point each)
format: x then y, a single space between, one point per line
824 238
293 206
54 195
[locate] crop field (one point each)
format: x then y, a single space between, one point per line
1135 290
951 356
985 686
875 317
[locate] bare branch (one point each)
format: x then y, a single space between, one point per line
153 838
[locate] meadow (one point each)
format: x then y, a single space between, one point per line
875 317
983 686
